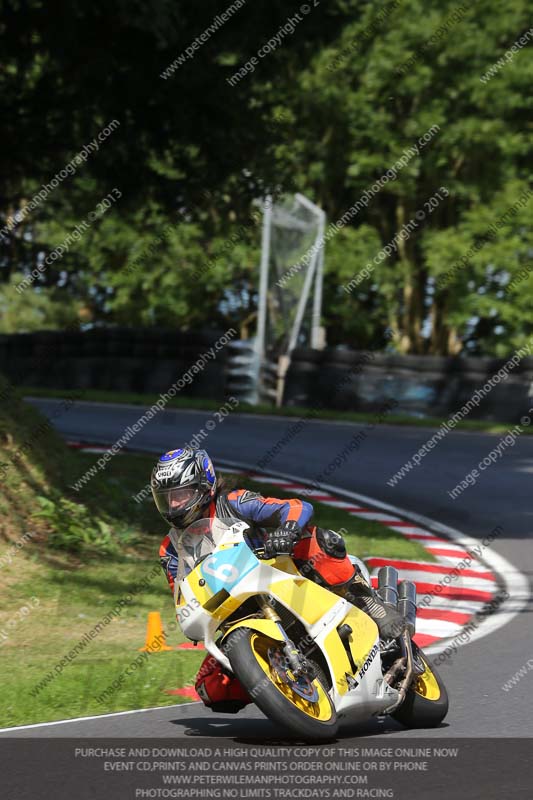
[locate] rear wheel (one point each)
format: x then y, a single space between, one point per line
303 707
426 702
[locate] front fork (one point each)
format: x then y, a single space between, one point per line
298 664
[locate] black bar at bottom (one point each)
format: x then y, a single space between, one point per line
149 769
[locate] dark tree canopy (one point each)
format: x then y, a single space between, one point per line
346 91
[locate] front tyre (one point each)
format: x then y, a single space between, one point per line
426 702
252 664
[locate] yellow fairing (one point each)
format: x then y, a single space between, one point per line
305 598
321 710
202 593
264 626
361 641
364 634
426 684
312 602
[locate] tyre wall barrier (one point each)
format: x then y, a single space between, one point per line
420 385
116 359
151 360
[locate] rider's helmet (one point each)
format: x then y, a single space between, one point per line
183 483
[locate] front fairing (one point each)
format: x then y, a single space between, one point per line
222 581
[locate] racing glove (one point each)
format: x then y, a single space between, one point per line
281 541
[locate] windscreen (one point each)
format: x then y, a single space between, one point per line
198 540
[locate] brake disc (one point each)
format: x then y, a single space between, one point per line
302 686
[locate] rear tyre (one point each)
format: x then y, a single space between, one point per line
249 659
426 702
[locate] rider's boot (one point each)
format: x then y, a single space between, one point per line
388 619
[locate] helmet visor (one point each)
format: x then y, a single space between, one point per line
172 502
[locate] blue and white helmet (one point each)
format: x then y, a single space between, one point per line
183 483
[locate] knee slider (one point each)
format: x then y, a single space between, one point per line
331 543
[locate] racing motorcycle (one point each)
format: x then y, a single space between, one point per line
309 659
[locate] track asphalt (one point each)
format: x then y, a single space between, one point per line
476 673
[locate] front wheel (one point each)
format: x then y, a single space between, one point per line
305 708
426 702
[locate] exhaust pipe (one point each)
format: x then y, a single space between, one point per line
407 604
388 586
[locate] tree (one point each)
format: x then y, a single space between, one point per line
186 145
35 310
344 96
371 96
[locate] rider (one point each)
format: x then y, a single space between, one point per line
186 489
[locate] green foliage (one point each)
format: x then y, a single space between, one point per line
37 469
390 86
327 113
74 529
34 310
488 296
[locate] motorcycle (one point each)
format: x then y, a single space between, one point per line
309 659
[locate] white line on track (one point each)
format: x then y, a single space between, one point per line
95 716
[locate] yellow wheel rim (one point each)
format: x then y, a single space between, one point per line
426 684
320 710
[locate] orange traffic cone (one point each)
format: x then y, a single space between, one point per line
155 636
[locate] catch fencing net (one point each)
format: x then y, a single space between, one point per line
289 299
